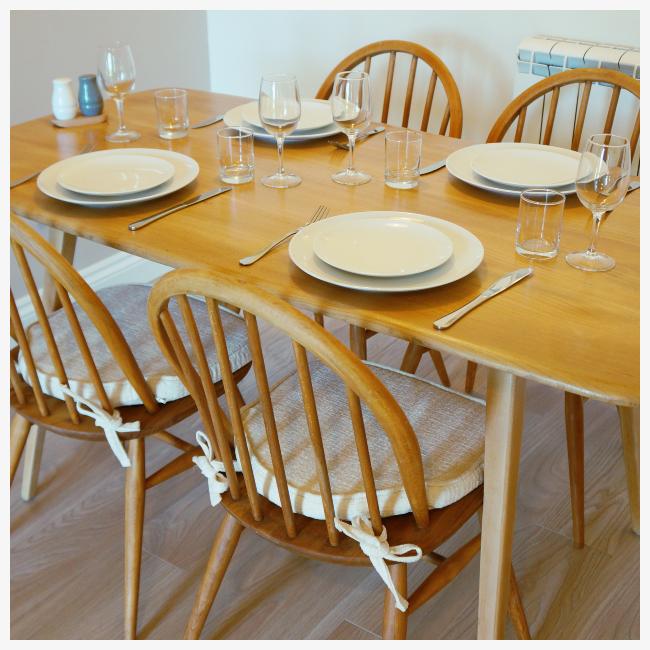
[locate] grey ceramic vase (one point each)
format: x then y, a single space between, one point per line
90 99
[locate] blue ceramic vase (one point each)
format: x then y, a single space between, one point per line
90 99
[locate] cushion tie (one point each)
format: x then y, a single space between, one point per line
376 547
110 422
211 468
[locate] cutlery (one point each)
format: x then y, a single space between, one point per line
634 185
367 134
208 122
87 149
136 225
508 280
321 212
434 167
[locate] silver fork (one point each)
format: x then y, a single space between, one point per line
321 212
87 149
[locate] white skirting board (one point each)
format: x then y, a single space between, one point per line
119 268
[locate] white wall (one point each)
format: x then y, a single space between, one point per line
479 47
170 48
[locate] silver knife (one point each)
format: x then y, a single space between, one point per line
363 136
210 120
434 167
185 204
500 285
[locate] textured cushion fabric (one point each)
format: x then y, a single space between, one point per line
449 426
128 306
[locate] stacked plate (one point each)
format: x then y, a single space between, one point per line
117 176
386 251
510 167
315 121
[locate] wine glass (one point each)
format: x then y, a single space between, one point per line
350 102
601 185
279 111
116 70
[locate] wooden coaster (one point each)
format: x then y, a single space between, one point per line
79 121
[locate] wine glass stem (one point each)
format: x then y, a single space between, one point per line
119 103
351 139
280 140
594 232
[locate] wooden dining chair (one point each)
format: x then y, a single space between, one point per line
91 370
549 89
325 463
451 122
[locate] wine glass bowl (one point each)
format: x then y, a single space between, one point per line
350 101
116 71
279 111
601 185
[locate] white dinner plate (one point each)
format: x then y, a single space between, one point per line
382 247
467 255
527 165
114 175
314 114
186 169
459 165
234 118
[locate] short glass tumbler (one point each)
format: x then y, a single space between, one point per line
236 155
402 159
173 116
539 224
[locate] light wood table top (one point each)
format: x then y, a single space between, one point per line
574 330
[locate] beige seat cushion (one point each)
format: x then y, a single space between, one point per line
449 426
128 306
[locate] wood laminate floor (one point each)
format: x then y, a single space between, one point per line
66 546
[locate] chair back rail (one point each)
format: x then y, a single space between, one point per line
362 387
585 78
453 114
69 286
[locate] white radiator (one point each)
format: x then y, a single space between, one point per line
542 56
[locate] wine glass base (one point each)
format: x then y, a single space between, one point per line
351 177
586 261
281 181
123 136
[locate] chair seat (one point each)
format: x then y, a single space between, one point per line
450 428
128 306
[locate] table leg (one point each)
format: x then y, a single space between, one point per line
358 341
65 244
629 419
504 420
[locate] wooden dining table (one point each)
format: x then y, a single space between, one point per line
572 330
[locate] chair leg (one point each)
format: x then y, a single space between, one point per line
516 609
19 432
133 523
575 442
223 548
319 318
470 376
629 419
412 357
32 464
395 621
441 369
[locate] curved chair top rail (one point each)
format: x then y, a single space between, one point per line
306 336
68 283
453 115
516 109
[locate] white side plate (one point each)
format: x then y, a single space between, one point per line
314 114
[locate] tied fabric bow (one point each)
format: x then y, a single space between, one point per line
376 547
212 469
110 422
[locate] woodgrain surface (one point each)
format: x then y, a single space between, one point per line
570 329
66 556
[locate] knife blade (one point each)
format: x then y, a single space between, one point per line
136 225
361 138
503 283
434 167
208 122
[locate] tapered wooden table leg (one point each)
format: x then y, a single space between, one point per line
504 420
629 419
358 341
575 440
19 432
32 465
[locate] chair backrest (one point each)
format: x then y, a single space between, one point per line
453 113
586 77
69 286
361 385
